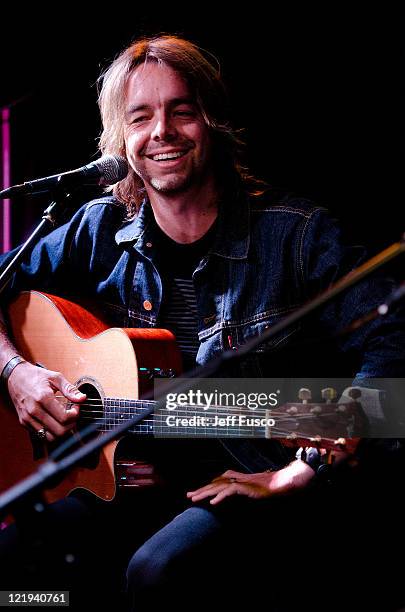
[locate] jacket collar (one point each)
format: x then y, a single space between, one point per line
233 236
232 239
134 229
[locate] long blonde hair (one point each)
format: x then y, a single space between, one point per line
203 77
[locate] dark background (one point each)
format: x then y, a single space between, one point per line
315 88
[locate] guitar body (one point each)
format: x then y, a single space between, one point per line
63 336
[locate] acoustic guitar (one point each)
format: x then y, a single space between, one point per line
114 367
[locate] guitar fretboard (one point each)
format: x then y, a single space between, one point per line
186 420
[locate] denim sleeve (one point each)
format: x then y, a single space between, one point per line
54 262
325 258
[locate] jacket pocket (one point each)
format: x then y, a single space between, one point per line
261 325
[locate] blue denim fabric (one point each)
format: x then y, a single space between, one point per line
270 255
165 556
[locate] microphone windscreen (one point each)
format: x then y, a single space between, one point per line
112 168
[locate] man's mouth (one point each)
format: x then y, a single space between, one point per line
167 156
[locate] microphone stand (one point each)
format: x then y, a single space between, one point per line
30 511
49 219
51 470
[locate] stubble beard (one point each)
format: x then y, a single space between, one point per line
175 183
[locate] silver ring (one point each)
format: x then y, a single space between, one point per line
232 479
41 433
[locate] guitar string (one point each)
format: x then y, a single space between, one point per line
152 424
203 431
95 401
187 413
279 433
186 409
163 418
226 430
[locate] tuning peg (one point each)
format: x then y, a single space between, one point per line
341 409
355 393
316 410
304 395
292 410
340 442
329 394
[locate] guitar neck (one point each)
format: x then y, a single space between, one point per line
185 420
296 424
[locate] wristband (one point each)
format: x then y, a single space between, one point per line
317 461
9 367
309 455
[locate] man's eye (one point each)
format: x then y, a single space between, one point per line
140 119
184 113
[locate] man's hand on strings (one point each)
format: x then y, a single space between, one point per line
39 396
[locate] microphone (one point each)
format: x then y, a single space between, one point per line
106 170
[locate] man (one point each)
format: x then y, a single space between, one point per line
179 245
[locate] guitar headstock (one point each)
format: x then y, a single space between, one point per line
330 424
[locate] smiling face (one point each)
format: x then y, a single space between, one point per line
167 140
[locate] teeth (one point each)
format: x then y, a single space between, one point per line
167 155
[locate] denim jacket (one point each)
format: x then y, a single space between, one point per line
271 254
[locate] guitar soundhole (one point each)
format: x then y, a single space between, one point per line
92 410
91 413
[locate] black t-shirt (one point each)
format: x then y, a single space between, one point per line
176 263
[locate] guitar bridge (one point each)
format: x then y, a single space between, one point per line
133 473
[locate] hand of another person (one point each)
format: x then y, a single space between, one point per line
257 486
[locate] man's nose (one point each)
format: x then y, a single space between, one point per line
164 129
